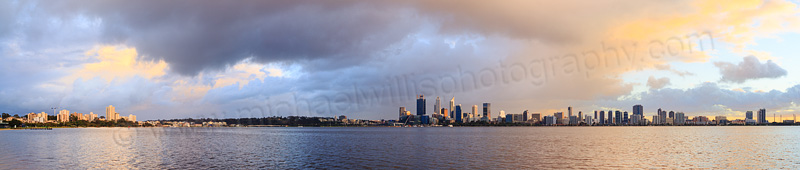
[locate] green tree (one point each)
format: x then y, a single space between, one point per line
16 115
6 115
15 123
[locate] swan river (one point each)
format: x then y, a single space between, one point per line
711 147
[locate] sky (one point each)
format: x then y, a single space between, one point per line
365 59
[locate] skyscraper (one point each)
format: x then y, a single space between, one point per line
457 114
671 114
762 116
610 118
402 111
452 106
525 116
580 116
749 115
421 105
617 117
680 119
601 119
569 111
437 106
662 117
487 110
559 117
110 112
625 118
638 109
475 111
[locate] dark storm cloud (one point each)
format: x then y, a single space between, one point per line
195 35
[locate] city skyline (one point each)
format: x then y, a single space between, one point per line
615 117
363 59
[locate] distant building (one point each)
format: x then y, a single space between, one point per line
475 112
452 106
618 117
437 107
762 116
638 109
610 118
625 117
550 120
680 119
671 114
748 115
601 120
111 113
536 117
487 110
459 116
662 115
79 116
421 105
588 120
63 116
569 111
131 118
525 116
402 111
721 120
574 120
559 117
91 116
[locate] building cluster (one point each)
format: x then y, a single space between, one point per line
456 114
64 115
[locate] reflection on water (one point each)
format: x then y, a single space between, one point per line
404 148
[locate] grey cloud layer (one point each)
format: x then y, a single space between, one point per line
749 69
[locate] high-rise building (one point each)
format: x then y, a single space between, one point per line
569 111
459 116
63 116
487 110
475 111
610 118
671 114
680 119
638 109
588 120
525 116
536 117
421 105
110 112
618 117
601 119
625 117
559 117
437 105
79 116
662 115
550 120
402 111
580 116
452 106
762 116
748 115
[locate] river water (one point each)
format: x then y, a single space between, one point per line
403 148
